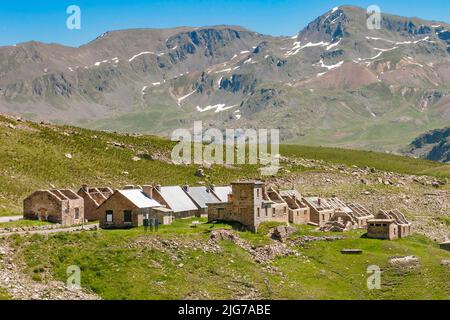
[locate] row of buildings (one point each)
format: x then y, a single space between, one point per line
247 202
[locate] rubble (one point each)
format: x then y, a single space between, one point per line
262 254
21 287
408 262
281 233
336 226
301 241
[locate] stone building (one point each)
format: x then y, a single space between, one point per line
128 208
93 198
360 214
174 198
347 216
320 210
389 225
62 206
250 204
297 209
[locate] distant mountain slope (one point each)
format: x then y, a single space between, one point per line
336 83
433 145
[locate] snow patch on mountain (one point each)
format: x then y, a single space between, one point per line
217 107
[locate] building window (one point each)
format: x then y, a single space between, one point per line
257 212
77 213
285 209
109 216
257 192
273 212
127 216
267 213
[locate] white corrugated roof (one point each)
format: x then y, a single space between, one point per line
222 193
139 198
177 199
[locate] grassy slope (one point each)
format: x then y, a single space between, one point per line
380 161
115 271
33 157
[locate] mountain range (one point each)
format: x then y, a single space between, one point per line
335 83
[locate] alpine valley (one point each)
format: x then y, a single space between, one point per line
335 83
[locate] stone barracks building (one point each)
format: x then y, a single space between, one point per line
389 225
128 208
250 204
62 206
93 198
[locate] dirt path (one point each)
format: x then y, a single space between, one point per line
48 231
10 218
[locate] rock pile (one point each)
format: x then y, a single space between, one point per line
262 254
281 233
20 287
408 262
336 226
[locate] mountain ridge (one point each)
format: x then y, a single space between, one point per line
333 75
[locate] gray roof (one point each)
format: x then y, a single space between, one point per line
177 199
222 193
202 196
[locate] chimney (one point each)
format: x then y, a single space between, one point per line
148 190
319 201
158 187
85 188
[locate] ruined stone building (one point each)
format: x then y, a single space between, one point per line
360 214
346 216
320 210
128 208
389 225
250 204
62 206
298 211
93 198
174 198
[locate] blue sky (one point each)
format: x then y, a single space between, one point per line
45 20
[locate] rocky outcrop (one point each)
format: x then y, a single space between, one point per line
433 145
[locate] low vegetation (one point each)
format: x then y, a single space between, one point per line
380 161
34 156
178 263
24 223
